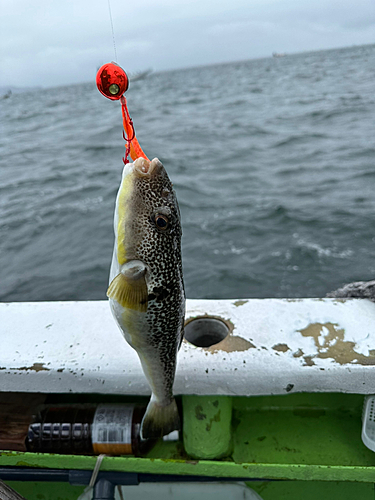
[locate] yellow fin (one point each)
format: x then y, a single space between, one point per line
129 292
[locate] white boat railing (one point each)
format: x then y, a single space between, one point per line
260 347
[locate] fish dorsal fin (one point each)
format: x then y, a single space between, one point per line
129 288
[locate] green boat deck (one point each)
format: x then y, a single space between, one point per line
292 375
290 444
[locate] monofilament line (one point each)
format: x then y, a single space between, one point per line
113 32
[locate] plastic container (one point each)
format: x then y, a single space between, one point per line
368 423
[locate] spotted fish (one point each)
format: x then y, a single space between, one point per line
146 290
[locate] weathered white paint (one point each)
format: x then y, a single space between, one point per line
76 346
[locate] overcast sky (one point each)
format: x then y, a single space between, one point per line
49 42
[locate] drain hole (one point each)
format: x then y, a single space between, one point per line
204 332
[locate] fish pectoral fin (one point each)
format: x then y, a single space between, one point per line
129 289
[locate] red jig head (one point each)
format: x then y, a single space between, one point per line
112 81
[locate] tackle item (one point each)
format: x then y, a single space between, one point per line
113 82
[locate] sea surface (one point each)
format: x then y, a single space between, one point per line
273 162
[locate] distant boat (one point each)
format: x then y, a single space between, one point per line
140 75
278 54
7 95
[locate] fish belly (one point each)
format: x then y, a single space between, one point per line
158 359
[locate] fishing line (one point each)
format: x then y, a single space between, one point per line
113 32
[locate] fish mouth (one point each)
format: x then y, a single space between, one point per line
144 168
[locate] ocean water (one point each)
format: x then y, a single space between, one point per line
273 162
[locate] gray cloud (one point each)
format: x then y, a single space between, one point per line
52 43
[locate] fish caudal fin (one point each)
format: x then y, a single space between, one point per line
159 420
129 290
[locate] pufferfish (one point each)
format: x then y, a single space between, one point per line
146 291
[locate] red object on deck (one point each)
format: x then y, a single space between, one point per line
112 81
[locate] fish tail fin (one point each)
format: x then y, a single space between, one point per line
159 420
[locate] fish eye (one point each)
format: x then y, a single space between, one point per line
161 221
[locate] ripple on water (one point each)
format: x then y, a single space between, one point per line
273 176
